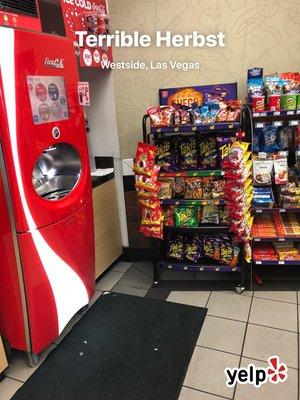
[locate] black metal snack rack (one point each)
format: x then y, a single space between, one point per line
259 120
160 261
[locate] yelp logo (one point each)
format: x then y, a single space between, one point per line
276 372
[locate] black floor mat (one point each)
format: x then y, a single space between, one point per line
124 348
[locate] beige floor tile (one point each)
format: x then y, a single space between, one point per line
206 371
274 314
192 298
126 289
269 391
109 280
262 343
121 266
288 296
18 368
222 334
227 305
8 388
191 394
247 293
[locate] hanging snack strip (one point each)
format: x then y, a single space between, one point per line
238 193
147 186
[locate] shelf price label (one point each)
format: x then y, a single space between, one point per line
259 125
276 113
294 123
258 262
262 154
290 113
194 128
212 127
277 123
281 262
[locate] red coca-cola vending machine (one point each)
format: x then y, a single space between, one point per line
46 229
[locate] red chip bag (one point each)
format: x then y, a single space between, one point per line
144 159
149 183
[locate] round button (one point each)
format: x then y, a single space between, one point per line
56 133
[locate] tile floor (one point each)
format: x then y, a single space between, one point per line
238 330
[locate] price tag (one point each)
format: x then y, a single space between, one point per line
281 239
298 153
290 113
282 210
260 125
298 112
158 130
294 123
194 128
169 266
230 126
234 269
212 127
277 123
283 153
217 269
255 114
281 262
263 114
176 129
276 113
259 211
185 268
258 262
262 154
201 269
257 240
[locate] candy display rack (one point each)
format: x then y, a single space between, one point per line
277 119
160 261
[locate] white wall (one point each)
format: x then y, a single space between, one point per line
102 113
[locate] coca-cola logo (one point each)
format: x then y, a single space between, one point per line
54 63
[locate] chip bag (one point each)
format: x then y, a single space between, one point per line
144 159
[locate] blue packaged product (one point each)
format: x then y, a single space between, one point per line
269 139
257 140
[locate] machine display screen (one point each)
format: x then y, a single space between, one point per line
48 98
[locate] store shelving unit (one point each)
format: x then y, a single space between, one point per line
277 119
160 263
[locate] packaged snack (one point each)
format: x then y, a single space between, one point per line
148 182
166 188
285 138
164 155
151 216
224 216
193 188
193 249
207 188
224 144
274 102
218 189
269 136
186 217
208 247
208 152
179 188
188 153
168 216
145 194
297 135
273 84
262 170
160 116
175 248
152 203
257 135
281 171
144 159
210 215
258 103
152 231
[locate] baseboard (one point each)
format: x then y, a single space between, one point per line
130 254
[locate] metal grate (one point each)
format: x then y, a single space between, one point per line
27 7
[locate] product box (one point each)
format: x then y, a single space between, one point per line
198 94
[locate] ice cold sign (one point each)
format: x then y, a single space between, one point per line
87 5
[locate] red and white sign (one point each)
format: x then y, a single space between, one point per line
84 93
90 16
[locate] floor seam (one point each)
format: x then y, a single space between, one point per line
244 340
220 351
14 379
206 304
277 301
251 323
266 362
203 391
142 272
